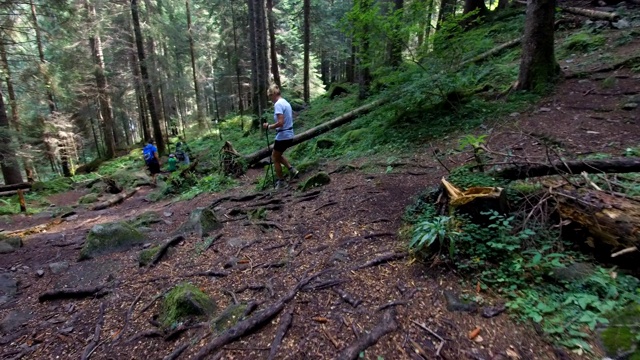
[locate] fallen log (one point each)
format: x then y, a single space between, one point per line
383 258
163 249
593 14
115 200
73 293
283 327
12 187
494 51
246 326
318 130
525 171
628 62
386 325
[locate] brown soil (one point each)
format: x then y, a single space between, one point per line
355 218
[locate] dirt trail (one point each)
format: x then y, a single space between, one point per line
351 221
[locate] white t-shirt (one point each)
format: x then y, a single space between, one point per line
283 107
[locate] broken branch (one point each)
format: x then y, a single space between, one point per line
283 327
386 325
163 249
73 293
384 258
96 335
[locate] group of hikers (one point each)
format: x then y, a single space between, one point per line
282 123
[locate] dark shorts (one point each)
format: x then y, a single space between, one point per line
282 145
153 166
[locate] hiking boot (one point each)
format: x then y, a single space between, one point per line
293 173
280 184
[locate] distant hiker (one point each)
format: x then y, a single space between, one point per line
172 162
150 153
283 117
182 151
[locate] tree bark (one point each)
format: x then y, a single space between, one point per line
472 5
306 92
8 162
538 66
157 129
272 44
526 171
45 73
192 51
363 59
253 40
263 59
236 55
318 130
395 42
101 81
593 14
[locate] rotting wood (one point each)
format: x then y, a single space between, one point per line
33 229
96 335
250 308
115 200
494 51
248 325
593 14
348 298
386 325
525 171
177 352
425 328
285 323
383 258
23 203
163 249
73 293
318 130
127 317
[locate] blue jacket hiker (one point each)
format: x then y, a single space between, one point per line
151 159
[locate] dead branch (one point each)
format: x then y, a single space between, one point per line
177 352
624 251
73 293
146 307
348 298
163 249
127 317
424 327
323 285
386 325
330 337
147 333
494 51
13 187
593 14
330 203
96 335
392 304
248 325
524 171
285 323
211 273
115 200
381 259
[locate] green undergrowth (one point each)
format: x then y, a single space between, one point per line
544 278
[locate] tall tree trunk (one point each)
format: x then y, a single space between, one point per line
199 110
237 59
263 58
101 81
8 162
43 70
364 66
29 169
272 44
503 4
447 7
538 66
472 5
351 65
395 41
138 86
154 74
253 40
155 121
306 93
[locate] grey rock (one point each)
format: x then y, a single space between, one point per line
40 272
146 245
237 242
58 267
71 218
621 24
492 311
630 106
14 320
146 218
340 256
168 213
8 285
6 248
544 109
67 330
514 114
202 221
15 242
110 237
455 304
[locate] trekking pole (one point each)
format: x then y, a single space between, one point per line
273 177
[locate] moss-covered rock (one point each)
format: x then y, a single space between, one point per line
622 334
202 221
324 143
229 317
110 237
146 255
573 272
14 241
183 302
128 179
319 179
88 199
6 248
146 218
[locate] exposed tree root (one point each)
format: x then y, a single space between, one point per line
127 317
73 293
147 333
285 323
115 200
323 285
163 249
177 352
150 304
386 325
96 335
348 298
330 203
384 258
391 304
211 273
247 326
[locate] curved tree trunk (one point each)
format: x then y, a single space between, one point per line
538 66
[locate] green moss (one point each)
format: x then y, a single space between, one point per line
146 218
54 186
145 256
623 334
353 136
185 301
464 177
583 42
319 179
202 221
229 317
88 199
257 214
110 237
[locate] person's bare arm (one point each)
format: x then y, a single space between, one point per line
278 124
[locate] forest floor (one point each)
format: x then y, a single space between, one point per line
336 228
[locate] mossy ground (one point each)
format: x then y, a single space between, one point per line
145 256
105 238
185 301
623 335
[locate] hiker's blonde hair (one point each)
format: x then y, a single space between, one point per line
273 90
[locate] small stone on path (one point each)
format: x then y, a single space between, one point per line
630 106
58 267
40 272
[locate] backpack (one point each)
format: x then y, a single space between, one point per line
147 153
179 152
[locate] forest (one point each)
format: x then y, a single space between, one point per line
465 179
